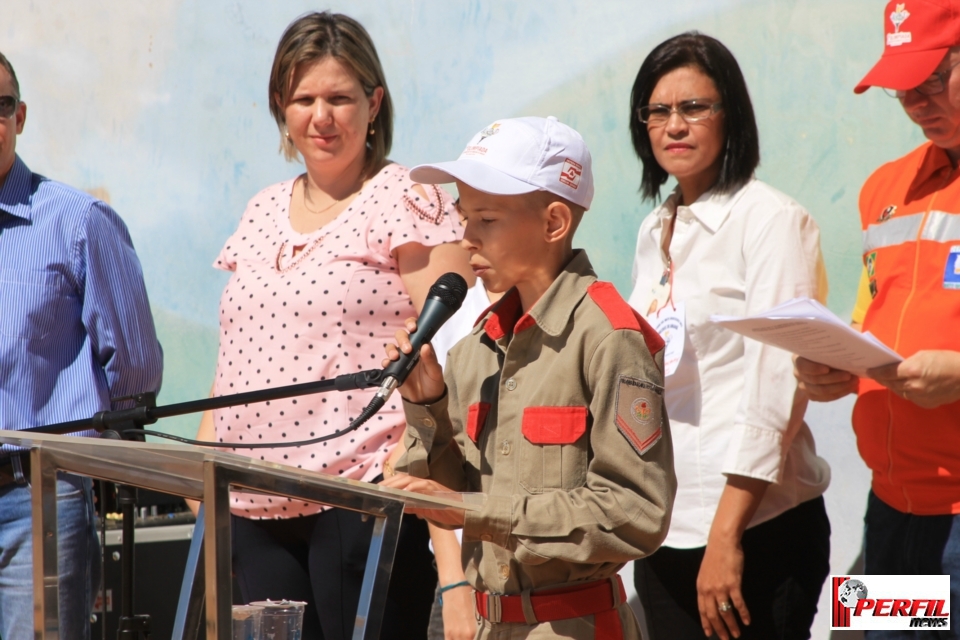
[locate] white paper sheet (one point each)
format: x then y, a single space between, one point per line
807 328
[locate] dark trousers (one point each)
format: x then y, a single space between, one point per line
786 561
320 559
897 543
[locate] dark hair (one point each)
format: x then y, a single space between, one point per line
13 75
741 153
313 37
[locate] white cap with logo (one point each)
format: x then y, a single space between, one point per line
520 155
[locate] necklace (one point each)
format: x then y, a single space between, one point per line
306 195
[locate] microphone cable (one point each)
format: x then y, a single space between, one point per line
368 412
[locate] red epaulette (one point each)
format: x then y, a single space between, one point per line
622 316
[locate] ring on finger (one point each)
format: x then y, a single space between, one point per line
723 607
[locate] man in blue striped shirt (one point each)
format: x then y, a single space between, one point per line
75 331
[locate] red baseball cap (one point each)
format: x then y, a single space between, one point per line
918 34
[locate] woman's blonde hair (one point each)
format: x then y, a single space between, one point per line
313 37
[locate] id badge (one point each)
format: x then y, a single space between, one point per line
951 272
670 323
659 295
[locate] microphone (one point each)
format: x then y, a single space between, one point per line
444 298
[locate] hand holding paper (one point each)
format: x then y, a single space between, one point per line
927 378
822 383
810 330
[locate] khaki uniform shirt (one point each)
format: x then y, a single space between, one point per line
557 416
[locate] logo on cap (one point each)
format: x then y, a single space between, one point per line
570 173
898 17
489 131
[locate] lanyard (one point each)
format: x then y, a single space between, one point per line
666 280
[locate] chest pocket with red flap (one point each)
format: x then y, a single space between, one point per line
553 453
476 418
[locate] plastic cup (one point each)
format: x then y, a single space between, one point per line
247 621
282 619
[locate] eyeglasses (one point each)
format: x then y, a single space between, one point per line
937 83
657 115
8 106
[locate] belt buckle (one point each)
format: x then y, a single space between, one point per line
494 612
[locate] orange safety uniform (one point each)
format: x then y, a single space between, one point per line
910 212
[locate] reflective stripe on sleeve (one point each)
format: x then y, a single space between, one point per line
942 227
892 232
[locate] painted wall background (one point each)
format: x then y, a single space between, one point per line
160 108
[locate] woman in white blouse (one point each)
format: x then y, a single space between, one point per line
749 543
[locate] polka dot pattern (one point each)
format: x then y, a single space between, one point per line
289 316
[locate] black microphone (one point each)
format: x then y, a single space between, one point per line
444 298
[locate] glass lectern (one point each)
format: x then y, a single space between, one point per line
206 475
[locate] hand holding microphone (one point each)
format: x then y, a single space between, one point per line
425 382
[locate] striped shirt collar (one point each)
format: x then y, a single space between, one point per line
15 192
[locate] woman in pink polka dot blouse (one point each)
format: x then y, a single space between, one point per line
326 267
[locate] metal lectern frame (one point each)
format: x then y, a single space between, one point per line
206 475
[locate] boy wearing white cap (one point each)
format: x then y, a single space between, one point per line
552 407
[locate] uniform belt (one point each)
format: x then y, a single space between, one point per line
15 470
599 599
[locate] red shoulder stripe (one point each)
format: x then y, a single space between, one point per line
621 315
618 312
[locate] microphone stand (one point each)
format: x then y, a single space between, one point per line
137 627
146 412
